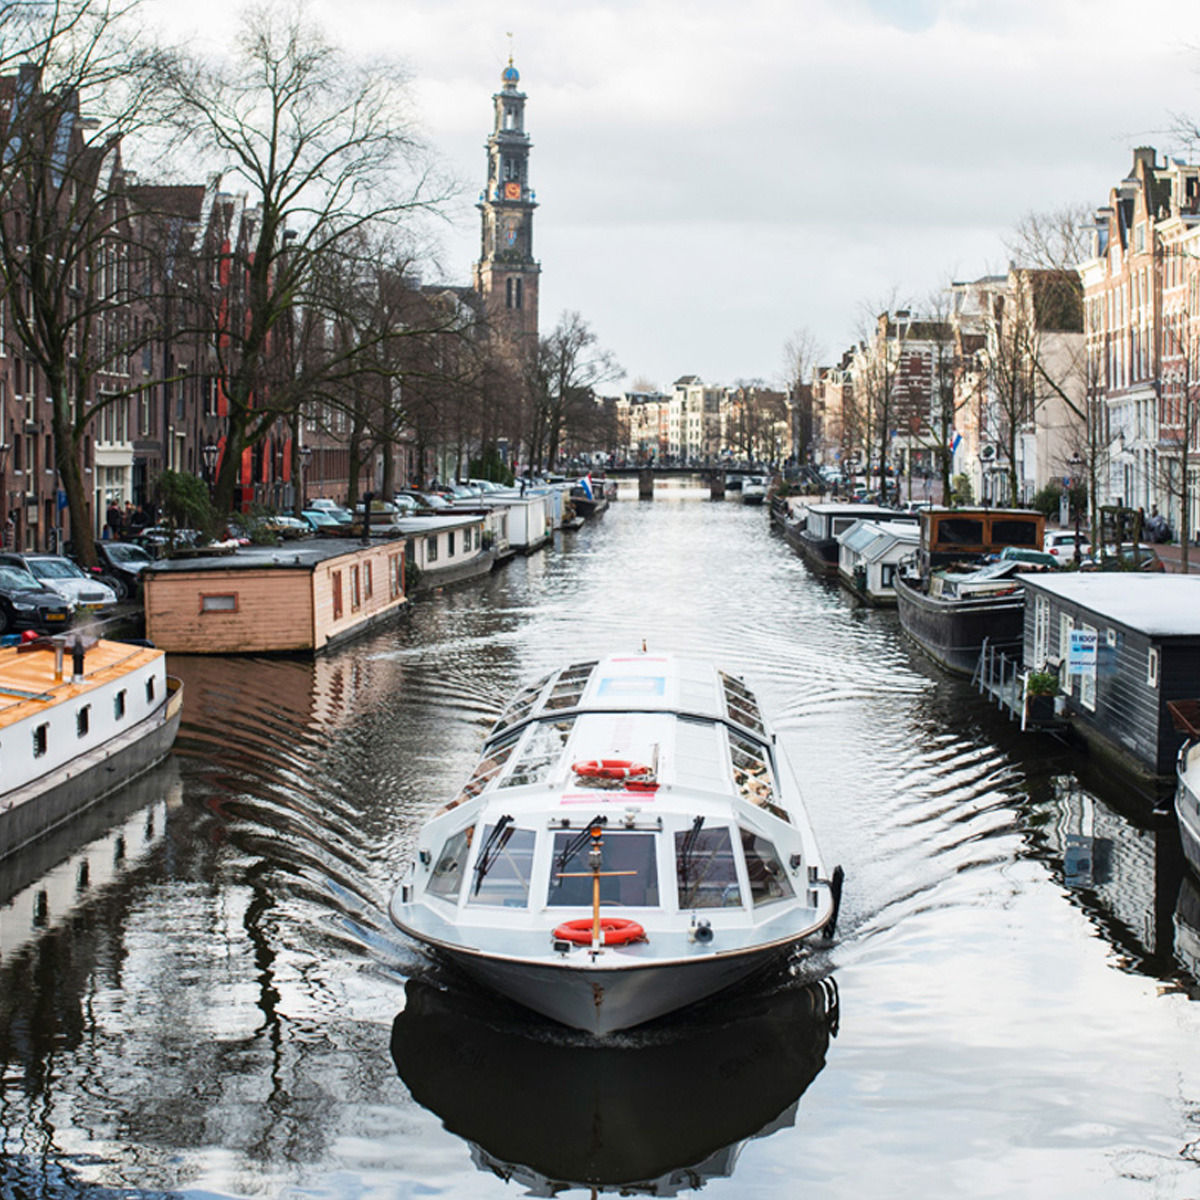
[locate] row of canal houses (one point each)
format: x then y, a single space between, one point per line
308 596
1121 646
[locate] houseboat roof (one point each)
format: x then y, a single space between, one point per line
866 512
1156 605
299 555
871 540
28 685
438 524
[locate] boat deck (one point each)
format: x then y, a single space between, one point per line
29 679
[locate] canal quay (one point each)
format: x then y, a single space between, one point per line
201 994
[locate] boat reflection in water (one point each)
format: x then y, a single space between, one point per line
660 1110
1187 927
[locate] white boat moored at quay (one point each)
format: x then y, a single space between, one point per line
79 717
1186 716
632 840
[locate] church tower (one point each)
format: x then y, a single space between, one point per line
506 275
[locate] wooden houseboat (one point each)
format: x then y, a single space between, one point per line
301 598
79 717
869 555
949 603
1146 635
818 526
529 519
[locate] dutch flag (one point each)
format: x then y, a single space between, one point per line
955 442
586 483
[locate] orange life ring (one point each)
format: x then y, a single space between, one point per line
614 931
610 768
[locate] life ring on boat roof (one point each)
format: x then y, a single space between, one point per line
612 768
614 931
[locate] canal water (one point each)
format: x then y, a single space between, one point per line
201 994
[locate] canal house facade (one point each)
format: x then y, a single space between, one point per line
1147 631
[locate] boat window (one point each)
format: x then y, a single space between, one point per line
522 704
752 774
1014 533
504 878
569 687
488 767
704 869
447 877
959 531
740 702
543 749
768 880
629 853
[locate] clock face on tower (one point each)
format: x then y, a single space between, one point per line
512 191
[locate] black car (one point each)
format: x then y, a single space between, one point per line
121 567
26 604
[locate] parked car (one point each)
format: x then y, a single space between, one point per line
1131 558
285 526
121 567
424 501
323 522
324 504
1061 543
26 603
1036 559
80 589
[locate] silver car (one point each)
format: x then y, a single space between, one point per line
64 577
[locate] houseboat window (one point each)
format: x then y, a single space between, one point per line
571 875
741 704
150 690
225 603
477 538
368 580
450 544
522 704
705 872
488 767
431 549
447 877
569 687
1041 631
83 720
959 531
119 705
1015 533
752 774
41 739
355 589
395 576
768 880
1152 668
887 575
501 875
543 749
1087 680
336 580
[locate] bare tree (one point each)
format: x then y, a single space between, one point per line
82 86
801 354
324 147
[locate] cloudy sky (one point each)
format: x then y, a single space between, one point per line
713 176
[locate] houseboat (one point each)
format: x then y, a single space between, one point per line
949 600
447 549
301 598
869 555
1137 643
529 518
79 717
817 528
754 489
632 840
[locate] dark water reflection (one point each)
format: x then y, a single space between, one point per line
199 986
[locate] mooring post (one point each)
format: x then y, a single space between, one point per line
716 485
646 484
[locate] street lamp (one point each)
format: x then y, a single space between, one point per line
4 449
210 453
306 454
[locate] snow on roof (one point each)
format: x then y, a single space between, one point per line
1157 605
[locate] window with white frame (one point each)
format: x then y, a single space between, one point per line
1152 667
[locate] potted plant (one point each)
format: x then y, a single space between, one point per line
1040 689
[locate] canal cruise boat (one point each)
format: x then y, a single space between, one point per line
950 601
79 717
631 840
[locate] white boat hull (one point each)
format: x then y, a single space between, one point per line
604 1000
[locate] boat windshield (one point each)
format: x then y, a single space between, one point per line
628 871
569 686
522 705
705 871
768 880
502 871
741 704
447 877
487 768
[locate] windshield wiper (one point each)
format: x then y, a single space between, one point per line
685 850
576 844
492 848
